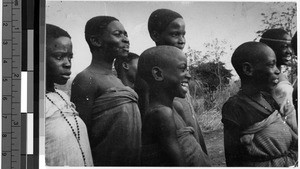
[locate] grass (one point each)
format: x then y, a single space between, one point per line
208 107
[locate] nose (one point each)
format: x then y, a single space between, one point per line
181 39
277 71
289 50
67 62
125 39
188 75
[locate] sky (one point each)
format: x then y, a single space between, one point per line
235 22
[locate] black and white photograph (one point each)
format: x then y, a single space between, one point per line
170 84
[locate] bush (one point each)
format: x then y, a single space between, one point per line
209 105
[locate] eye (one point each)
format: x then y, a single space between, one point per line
271 65
125 34
117 33
70 56
58 57
175 34
183 68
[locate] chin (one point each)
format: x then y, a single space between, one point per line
182 95
62 82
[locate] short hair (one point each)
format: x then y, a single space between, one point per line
160 19
247 52
155 56
53 32
127 59
96 26
294 43
272 36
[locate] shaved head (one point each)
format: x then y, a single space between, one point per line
159 56
251 52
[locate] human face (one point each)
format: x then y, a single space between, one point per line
132 69
115 40
176 75
174 34
265 71
58 60
283 50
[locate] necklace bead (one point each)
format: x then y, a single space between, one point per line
265 107
77 136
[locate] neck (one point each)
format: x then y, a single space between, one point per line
126 81
251 90
160 97
50 87
100 63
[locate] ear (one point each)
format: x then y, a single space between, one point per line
95 41
125 65
155 36
157 73
247 69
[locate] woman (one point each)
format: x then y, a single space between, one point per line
66 142
107 106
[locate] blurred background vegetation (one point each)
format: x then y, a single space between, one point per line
212 83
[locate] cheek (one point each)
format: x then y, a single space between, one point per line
52 66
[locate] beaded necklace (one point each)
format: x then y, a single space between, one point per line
77 136
265 107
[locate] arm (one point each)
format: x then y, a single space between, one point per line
231 135
167 138
83 96
231 144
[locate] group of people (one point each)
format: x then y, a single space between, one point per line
143 114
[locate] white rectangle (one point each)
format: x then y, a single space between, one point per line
23 92
30 133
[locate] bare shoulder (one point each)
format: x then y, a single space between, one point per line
83 78
83 85
161 114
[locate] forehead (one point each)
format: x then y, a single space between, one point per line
175 58
114 25
283 39
59 43
267 55
176 24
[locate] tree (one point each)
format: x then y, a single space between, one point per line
213 75
281 15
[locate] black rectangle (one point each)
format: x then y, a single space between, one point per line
23 133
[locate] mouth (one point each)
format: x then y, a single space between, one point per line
275 81
288 58
66 75
126 48
180 46
185 86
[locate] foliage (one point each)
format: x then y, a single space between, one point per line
282 15
208 74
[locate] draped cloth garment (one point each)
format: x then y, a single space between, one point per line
189 146
61 146
268 143
191 120
254 136
116 128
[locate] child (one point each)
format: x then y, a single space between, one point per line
108 107
280 41
167 27
255 133
126 68
66 138
167 140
